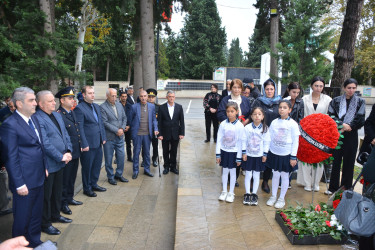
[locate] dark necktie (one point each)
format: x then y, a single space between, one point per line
94 113
31 125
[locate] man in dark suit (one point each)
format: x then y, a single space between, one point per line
142 124
128 109
172 130
114 120
131 95
7 111
58 150
226 91
25 161
93 136
66 97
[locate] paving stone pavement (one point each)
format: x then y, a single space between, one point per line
204 222
181 212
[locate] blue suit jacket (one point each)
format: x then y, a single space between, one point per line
22 153
135 119
56 144
92 132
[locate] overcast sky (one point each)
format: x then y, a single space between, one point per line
237 16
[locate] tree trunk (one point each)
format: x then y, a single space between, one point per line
274 39
138 77
344 56
81 40
148 49
94 74
48 7
107 71
129 71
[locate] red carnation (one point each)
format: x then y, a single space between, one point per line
335 203
296 231
317 208
328 223
323 129
326 213
288 220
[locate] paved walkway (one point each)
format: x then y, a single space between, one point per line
204 222
181 212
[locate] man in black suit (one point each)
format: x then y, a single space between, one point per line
131 95
66 97
25 162
128 137
226 91
171 131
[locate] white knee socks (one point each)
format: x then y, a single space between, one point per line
275 182
284 183
232 180
248 175
256 176
224 179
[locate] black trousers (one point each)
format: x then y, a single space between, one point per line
155 152
128 142
70 175
170 153
52 197
346 156
211 118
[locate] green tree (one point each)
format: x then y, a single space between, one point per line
163 69
174 50
205 39
235 54
304 41
259 42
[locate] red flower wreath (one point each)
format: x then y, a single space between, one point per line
323 129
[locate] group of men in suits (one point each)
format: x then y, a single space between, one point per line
43 148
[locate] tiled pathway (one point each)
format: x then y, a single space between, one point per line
203 222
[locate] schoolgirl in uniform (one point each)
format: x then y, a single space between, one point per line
230 148
284 133
257 145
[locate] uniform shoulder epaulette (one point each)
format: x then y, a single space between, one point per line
58 111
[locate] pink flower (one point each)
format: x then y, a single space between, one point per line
326 213
296 231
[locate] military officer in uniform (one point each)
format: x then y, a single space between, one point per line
66 97
152 94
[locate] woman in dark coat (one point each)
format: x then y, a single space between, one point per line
349 111
211 103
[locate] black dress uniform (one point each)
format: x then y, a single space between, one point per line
70 170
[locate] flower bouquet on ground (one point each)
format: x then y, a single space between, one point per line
311 225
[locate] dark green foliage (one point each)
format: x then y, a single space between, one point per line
205 39
235 54
303 42
259 43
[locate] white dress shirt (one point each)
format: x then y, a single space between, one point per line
171 110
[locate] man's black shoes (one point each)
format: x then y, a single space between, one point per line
75 203
121 178
66 210
99 189
62 219
51 230
89 193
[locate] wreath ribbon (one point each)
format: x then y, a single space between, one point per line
314 142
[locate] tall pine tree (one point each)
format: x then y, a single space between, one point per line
304 41
235 54
205 39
